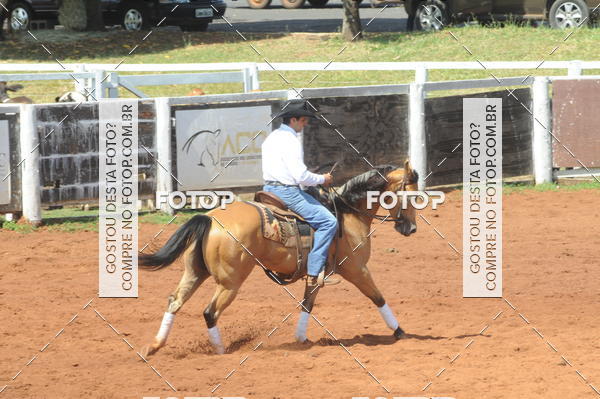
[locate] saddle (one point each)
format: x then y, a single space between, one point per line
286 227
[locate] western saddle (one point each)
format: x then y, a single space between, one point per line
280 224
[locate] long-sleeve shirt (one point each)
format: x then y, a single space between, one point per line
283 159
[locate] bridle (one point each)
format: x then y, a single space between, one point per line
405 181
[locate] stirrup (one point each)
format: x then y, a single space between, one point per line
322 281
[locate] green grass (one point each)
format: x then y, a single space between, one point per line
74 219
577 186
494 43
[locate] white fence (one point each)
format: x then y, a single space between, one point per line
97 82
541 148
103 80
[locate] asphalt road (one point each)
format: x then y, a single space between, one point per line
277 19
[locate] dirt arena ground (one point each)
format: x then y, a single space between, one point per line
551 277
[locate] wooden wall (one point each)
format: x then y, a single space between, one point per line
69 155
443 125
377 126
576 123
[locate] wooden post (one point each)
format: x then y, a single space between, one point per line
164 180
416 128
542 126
30 173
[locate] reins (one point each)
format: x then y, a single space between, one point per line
333 193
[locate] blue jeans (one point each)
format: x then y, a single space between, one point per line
317 216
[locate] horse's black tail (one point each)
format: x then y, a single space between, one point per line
192 230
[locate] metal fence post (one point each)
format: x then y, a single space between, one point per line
80 84
164 179
255 78
113 85
420 74
542 126
31 198
98 85
251 81
575 68
416 129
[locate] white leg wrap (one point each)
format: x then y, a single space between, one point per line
302 325
389 317
165 326
215 339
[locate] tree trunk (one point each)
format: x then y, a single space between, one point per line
72 15
95 22
351 28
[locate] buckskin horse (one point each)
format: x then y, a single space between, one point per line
228 243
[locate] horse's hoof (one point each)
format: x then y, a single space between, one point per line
219 349
148 350
399 333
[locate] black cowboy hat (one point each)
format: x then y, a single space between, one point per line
297 109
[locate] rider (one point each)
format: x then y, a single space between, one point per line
284 171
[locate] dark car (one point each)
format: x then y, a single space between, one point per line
191 15
435 14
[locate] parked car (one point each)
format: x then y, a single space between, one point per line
291 4
435 14
191 15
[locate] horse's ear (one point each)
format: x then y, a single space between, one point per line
407 166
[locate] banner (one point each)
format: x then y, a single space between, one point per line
220 147
4 164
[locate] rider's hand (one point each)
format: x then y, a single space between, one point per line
328 179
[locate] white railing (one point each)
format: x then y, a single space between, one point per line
98 81
104 79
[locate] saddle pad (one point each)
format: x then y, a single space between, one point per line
282 228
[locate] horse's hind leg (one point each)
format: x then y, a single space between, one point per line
193 276
361 278
220 301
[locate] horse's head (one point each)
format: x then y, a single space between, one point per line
403 180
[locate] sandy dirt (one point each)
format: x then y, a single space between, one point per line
551 277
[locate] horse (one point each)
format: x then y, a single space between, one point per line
71 97
5 99
228 243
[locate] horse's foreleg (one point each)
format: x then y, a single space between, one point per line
306 306
192 278
362 279
221 299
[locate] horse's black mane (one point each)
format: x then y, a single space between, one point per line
355 188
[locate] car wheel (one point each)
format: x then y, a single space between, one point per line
568 14
199 27
291 4
257 4
20 16
318 3
135 16
431 15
